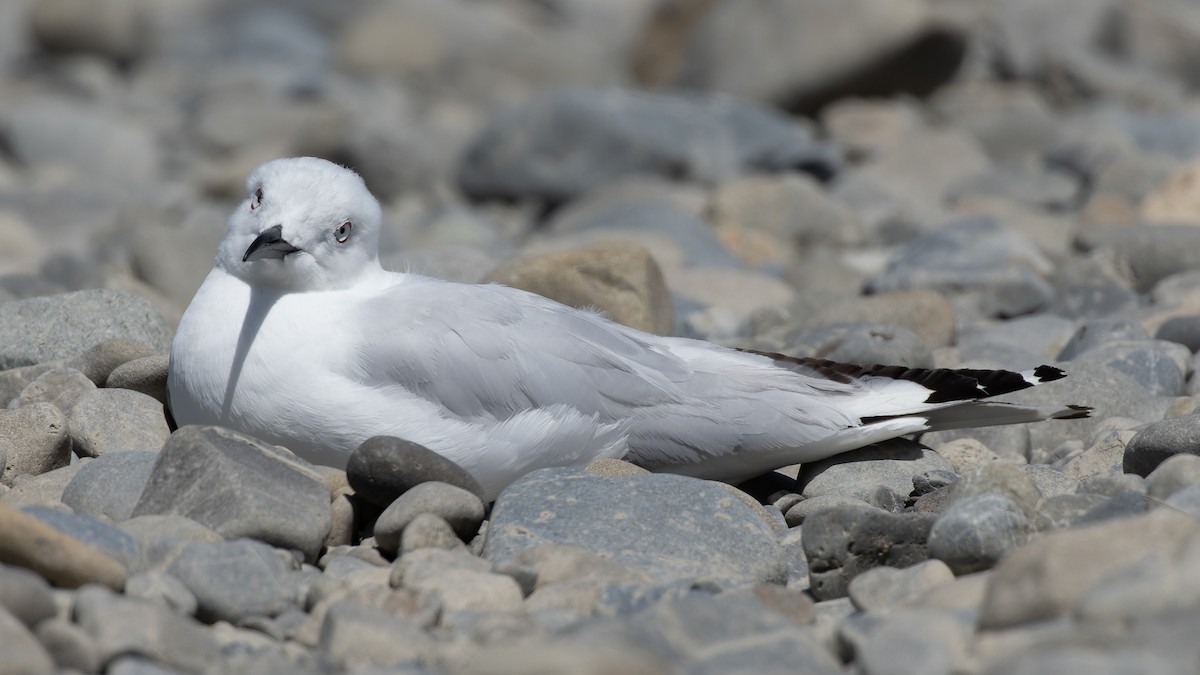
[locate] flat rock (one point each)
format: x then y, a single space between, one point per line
37 440
620 279
712 533
240 487
1157 442
618 133
841 542
111 484
60 326
147 375
1048 577
383 468
116 420
859 473
461 509
61 559
234 580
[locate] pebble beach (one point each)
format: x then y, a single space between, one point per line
925 183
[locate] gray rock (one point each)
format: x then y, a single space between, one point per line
240 487
100 361
90 530
1151 254
1174 474
619 133
44 490
844 541
1041 188
43 329
164 589
1101 330
25 595
116 420
427 530
1111 484
797 514
461 509
234 580
862 343
1050 481
1157 442
1062 511
110 485
1032 340
620 279
60 387
712 535
121 626
147 375
885 588
58 557
915 641
972 254
383 468
1184 330
69 645
1158 366
975 532
37 440
1081 660
1118 506
926 313
137 665
467 590
1000 478
1186 499
860 472
355 636
23 654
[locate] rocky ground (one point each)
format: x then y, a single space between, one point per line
982 183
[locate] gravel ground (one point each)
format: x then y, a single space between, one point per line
978 183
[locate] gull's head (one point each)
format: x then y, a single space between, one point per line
307 224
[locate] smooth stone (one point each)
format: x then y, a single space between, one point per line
1150 254
61 326
858 473
1030 340
460 508
233 580
619 518
116 420
164 589
884 588
343 518
977 531
25 595
427 530
1101 330
99 361
121 626
619 279
146 375
383 468
1047 577
1174 474
110 485
353 636
1111 484
239 487
1123 505
23 654
60 387
1186 499
44 490
1062 511
37 439
1157 365
1159 441
90 530
470 590
791 209
1001 478
796 515
915 641
69 645
1184 330
60 558
844 541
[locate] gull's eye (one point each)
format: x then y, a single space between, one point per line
256 199
342 233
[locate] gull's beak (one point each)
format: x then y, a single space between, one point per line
269 244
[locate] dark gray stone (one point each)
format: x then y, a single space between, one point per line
841 542
935 479
461 509
110 485
233 580
121 626
92 531
240 487
975 532
711 534
1184 330
25 595
116 420
43 329
1118 506
383 468
616 133
859 473
1157 442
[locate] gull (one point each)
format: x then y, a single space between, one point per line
300 338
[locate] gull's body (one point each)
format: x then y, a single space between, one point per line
299 337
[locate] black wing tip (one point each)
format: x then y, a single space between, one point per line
1046 373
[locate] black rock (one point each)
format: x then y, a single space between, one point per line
384 467
1157 442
